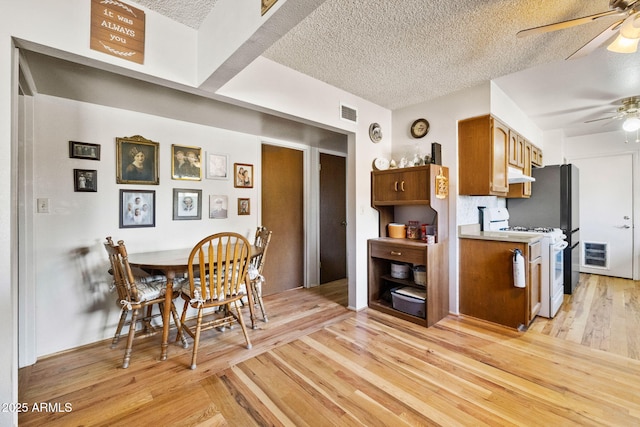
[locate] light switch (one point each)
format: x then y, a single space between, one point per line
43 205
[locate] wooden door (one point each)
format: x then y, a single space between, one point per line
333 218
283 213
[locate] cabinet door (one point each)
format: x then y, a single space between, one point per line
499 148
527 167
516 149
413 186
535 288
385 187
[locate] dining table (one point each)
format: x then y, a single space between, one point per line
173 262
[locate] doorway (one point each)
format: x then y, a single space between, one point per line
283 214
333 215
606 215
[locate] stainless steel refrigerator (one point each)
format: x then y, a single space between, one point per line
554 203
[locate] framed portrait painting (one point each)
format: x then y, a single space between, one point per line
137 208
84 150
85 180
243 175
244 207
187 204
136 161
186 162
218 206
217 166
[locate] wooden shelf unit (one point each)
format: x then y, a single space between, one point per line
395 188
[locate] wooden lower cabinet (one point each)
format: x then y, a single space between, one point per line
486 282
384 251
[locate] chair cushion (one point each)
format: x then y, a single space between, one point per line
186 290
152 287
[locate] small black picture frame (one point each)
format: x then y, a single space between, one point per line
84 150
187 204
137 208
85 180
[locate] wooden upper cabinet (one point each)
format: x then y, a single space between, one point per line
523 189
516 149
483 150
536 156
401 186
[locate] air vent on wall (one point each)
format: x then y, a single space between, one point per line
348 113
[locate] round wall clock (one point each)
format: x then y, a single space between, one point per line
375 132
419 128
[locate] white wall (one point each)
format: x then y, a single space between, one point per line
74 305
61 28
289 93
607 144
443 115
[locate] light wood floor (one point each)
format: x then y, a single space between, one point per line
316 363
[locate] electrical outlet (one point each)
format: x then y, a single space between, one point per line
43 205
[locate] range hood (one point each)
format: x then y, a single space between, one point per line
515 176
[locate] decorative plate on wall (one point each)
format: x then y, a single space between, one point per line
375 132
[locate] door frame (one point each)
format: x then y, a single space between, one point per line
635 204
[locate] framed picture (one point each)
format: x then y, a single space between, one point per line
85 180
244 207
217 166
266 5
243 174
187 204
136 161
186 162
84 150
137 208
218 206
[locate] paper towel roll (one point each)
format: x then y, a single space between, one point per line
518 269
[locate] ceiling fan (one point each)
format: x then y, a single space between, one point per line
627 29
629 110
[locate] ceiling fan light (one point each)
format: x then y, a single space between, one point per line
631 124
631 26
623 45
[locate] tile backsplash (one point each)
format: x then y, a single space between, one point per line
468 207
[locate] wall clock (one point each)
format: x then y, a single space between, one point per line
375 132
419 128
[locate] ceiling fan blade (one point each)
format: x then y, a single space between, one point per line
603 118
566 24
597 41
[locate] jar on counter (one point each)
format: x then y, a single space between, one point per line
413 230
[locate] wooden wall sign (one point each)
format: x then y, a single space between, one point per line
117 29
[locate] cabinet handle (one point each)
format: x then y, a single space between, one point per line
402 186
395 186
396 253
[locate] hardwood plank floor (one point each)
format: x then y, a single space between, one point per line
316 363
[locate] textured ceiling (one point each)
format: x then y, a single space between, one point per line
401 53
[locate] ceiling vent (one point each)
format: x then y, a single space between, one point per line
348 113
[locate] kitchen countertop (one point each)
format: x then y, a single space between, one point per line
472 231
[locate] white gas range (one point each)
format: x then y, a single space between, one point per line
553 244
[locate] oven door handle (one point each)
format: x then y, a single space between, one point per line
561 245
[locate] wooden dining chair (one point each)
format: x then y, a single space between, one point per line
137 294
262 239
217 267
